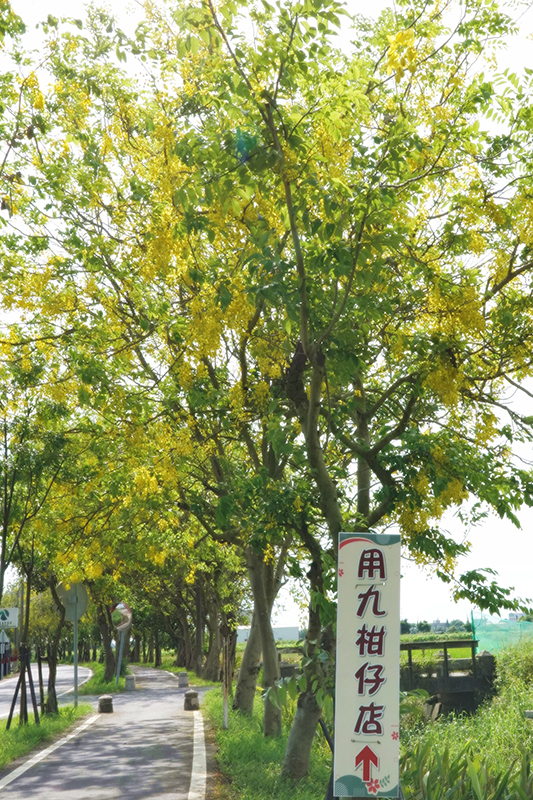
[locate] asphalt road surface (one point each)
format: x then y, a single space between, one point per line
64 685
149 747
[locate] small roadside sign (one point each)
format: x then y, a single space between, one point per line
75 600
367 732
9 618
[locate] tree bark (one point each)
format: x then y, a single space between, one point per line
137 649
199 634
271 674
251 662
157 662
51 705
249 672
186 657
212 664
298 751
105 626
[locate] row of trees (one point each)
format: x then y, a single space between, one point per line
259 289
423 626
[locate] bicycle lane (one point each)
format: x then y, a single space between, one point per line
145 749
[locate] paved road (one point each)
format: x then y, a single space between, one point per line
64 684
148 748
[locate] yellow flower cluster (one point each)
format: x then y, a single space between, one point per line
261 395
145 483
445 380
402 53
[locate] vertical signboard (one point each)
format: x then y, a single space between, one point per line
367 724
9 618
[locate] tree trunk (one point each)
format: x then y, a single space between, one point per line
248 673
251 661
212 664
150 648
271 674
51 705
104 623
157 662
187 641
298 751
137 649
199 636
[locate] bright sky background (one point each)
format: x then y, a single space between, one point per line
495 543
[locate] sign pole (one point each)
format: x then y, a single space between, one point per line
121 648
76 648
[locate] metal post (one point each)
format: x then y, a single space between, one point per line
225 677
76 648
121 648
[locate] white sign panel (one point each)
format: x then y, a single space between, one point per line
367 716
9 618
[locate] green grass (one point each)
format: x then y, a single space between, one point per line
485 755
18 741
96 684
424 655
251 763
434 637
167 659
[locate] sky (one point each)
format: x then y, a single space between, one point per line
496 543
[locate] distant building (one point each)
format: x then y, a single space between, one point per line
513 616
280 634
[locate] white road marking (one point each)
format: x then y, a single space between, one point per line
71 690
44 753
68 691
198 772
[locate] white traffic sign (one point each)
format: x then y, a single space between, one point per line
367 717
9 618
4 638
75 599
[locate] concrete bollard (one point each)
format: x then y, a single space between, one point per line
105 704
191 701
130 683
183 680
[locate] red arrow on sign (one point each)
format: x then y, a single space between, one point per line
366 757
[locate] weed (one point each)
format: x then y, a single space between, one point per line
96 684
18 741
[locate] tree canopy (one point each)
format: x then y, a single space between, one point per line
285 283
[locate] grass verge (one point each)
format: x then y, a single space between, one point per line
167 660
18 741
251 763
484 756
96 684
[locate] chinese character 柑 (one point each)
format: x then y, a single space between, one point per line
371 561
374 682
365 597
371 642
368 720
